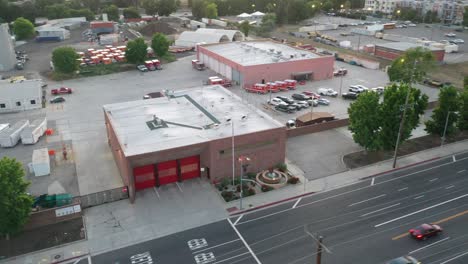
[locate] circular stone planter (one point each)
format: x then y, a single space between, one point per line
276 179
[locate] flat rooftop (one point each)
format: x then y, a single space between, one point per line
259 52
403 46
184 118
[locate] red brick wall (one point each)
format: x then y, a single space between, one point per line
393 54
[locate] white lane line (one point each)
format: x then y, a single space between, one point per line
461 171
372 182
381 209
238 219
225 243
419 197
422 210
243 241
454 159
459 256
295 204
449 187
370 199
421 248
433 180
402 189
236 256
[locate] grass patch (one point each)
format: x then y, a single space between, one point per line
453 73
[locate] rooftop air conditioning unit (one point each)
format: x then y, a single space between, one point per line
279 52
303 54
271 50
275 59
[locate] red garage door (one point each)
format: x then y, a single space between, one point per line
167 172
190 167
144 177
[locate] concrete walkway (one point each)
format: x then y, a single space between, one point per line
120 224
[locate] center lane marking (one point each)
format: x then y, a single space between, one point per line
421 248
381 209
422 210
370 199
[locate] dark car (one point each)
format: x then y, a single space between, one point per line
350 95
424 231
57 99
403 260
301 97
286 108
285 99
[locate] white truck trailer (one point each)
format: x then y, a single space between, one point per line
10 136
32 133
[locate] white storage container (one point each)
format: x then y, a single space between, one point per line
32 133
41 162
3 127
10 136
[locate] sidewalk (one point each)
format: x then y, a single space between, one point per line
120 224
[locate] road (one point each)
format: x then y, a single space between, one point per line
366 222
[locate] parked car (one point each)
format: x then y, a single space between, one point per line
57 99
411 25
296 105
284 107
303 104
357 88
378 90
323 101
311 94
340 72
433 82
142 68
350 95
458 41
275 101
327 92
424 231
313 102
285 99
62 90
301 97
403 260
450 35
291 123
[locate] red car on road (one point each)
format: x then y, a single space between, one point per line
424 231
62 90
312 94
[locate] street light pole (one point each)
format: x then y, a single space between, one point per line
233 154
445 129
319 250
341 83
241 159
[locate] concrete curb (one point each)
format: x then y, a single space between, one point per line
270 204
400 168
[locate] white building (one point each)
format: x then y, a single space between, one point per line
384 6
20 95
7 49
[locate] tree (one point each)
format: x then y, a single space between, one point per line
198 8
364 120
151 7
244 27
15 203
84 12
131 12
65 59
136 50
160 44
167 7
404 68
347 5
112 12
448 103
211 10
392 108
463 113
23 28
57 11
465 17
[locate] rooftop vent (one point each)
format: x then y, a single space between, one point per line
271 50
279 52
303 54
275 59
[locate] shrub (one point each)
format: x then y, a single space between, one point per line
251 192
251 175
225 182
282 167
227 196
293 180
266 188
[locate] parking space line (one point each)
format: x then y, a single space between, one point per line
454 159
461 171
295 204
157 193
421 248
370 199
381 209
420 196
449 187
432 180
459 256
402 189
238 219
372 182
243 241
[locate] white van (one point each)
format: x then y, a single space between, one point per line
327 92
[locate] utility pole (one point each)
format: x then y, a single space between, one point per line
341 83
319 250
445 129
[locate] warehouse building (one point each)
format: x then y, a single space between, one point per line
252 62
393 50
20 95
208 36
190 134
7 52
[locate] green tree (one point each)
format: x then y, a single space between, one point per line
392 108
84 12
267 26
167 7
465 82
244 27
448 103
411 66
15 203
347 5
65 59
57 11
112 12
23 28
136 50
211 10
465 17
463 113
160 44
131 12
151 7
198 9
365 119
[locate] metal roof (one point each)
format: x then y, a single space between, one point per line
191 39
233 35
185 118
403 46
259 52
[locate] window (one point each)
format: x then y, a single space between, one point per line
2 106
33 102
18 103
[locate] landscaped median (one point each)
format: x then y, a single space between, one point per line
255 183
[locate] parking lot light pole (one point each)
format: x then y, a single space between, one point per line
341 83
445 129
241 159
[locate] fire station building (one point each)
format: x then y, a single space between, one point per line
190 134
252 62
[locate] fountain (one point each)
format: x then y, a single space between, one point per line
272 177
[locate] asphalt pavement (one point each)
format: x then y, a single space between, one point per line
361 223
